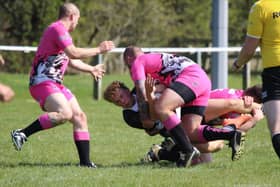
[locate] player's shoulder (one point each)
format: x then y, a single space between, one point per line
132 118
54 24
148 55
52 27
263 5
258 6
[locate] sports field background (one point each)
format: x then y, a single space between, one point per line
49 158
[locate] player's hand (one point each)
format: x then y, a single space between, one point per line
6 93
106 46
248 101
257 114
150 86
98 71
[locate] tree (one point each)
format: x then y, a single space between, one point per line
238 16
127 22
22 24
146 23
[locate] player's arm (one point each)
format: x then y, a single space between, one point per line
219 107
132 119
247 52
74 52
96 71
210 147
150 93
257 115
143 103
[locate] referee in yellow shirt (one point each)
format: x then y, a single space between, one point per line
264 30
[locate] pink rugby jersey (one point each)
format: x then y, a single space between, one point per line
50 61
163 67
226 94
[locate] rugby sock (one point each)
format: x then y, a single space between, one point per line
173 124
231 127
211 133
181 139
276 144
81 139
200 136
32 128
172 155
45 121
42 123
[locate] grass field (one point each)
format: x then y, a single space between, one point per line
49 158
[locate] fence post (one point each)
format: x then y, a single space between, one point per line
97 84
198 58
219 65
246 76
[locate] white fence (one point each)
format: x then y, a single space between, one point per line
198 51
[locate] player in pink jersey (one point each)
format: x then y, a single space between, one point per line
225 101
55 52
120 95
251 96
188 87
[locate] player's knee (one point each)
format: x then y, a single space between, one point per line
65 115
79 116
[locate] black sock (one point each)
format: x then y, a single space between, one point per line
181 139
276 144
32 128
172 156
83 151
212 133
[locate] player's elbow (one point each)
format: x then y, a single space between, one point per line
73 55
72 52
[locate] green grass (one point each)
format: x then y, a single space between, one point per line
49 158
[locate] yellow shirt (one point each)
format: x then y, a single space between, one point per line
264 23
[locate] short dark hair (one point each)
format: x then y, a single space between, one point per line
130 52
110 91
255 92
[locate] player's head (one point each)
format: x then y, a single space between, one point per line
119 94
71 13
255 92
130 53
